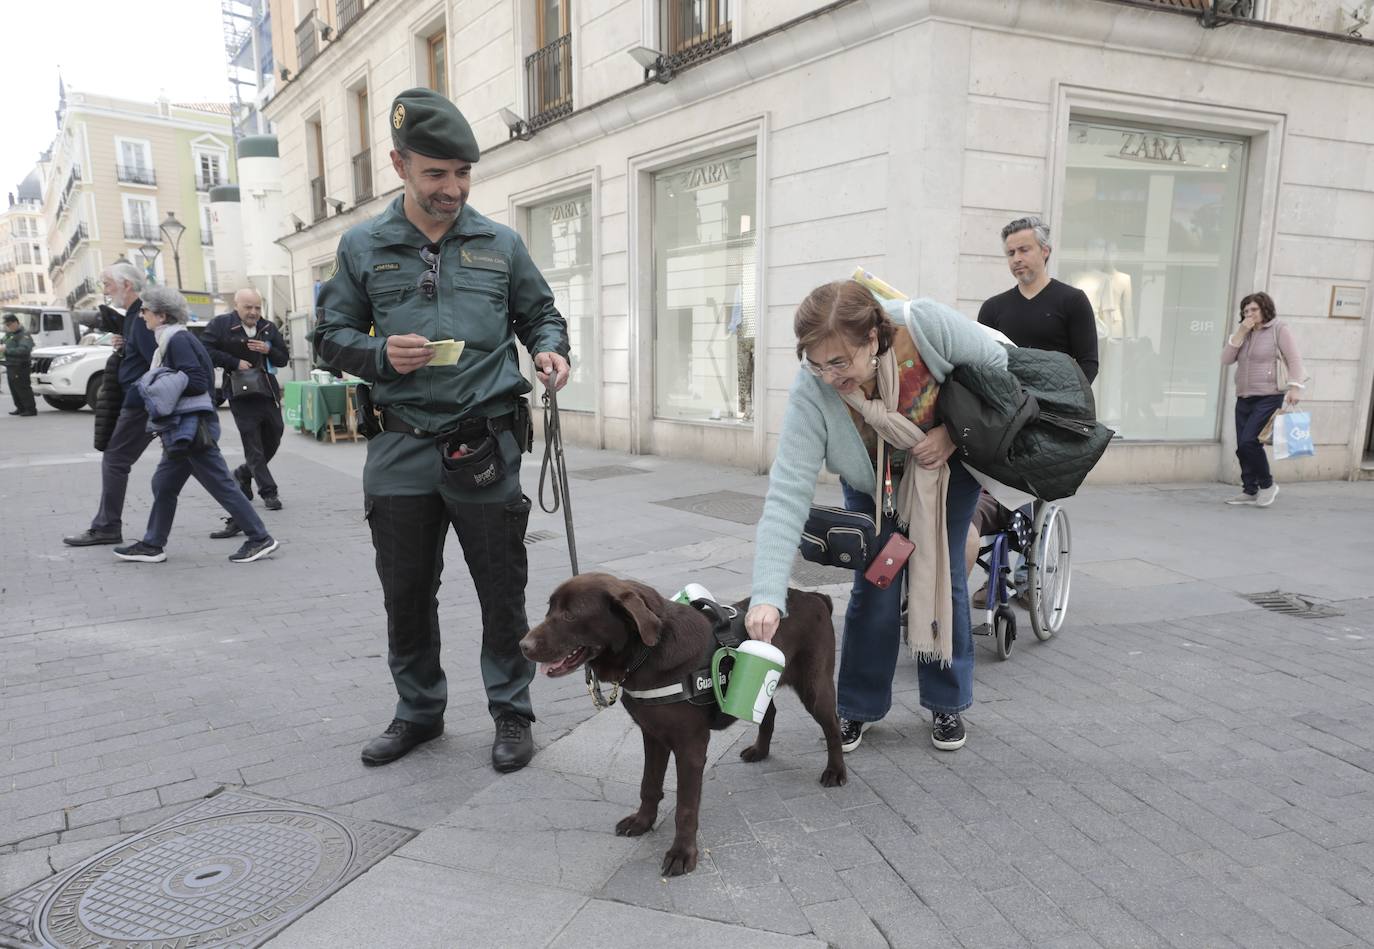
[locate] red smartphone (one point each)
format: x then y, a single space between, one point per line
890 561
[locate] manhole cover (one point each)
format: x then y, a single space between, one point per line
534 537
808 574
230 872
606 471
1292 604
726 505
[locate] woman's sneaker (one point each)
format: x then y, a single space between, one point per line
851 733
254 550
1266 496
948 731
141 553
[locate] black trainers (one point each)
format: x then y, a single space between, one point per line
254 550
948 731
245 479
851 733
141 552
90 538
514 745
230 529
272 501
398 740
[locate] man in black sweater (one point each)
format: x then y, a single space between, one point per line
1040 312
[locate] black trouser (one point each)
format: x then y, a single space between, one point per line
21 389
260 429
1252 411
408 534
127 442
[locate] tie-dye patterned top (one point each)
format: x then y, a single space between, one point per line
916 394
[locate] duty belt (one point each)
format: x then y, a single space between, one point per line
392 422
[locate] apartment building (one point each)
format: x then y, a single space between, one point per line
23 246
685 171
120 177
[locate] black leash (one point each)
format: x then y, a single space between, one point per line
555 470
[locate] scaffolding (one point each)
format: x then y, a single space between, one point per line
248 55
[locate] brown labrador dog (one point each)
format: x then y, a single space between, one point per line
633 636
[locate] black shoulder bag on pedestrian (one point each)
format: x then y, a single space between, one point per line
248 383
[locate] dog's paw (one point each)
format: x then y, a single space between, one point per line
633 826
834 777
679 860
751 754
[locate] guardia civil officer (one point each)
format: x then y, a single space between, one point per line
17 346
432 268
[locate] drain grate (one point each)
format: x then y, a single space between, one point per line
606 471
726 505
808 574
534 537
232 871
1292 604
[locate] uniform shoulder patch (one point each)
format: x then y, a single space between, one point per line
379 268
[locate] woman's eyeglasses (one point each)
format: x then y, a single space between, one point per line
429 280
835 366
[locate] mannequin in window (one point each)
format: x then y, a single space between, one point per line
1109 292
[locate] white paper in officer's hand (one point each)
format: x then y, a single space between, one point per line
446 351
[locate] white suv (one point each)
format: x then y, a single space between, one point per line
68 377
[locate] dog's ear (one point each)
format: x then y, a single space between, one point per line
646 620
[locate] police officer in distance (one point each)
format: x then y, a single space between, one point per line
432 268
17 346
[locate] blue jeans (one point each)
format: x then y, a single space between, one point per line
872 624
1252 412
212 472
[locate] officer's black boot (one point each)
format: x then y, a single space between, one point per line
514 745
397 741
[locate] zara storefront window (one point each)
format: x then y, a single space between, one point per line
560 243
704 269
1149 234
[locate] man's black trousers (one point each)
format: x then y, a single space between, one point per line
260 429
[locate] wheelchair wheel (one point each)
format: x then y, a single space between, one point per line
1049 571
1004 631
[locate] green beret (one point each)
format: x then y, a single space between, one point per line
428 123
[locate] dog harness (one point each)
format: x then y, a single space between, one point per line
727 630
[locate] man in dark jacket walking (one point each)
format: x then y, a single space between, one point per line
17 346
242 341
122 282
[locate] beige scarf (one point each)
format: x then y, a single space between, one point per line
920 501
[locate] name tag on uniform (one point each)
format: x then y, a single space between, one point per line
483 260
380 268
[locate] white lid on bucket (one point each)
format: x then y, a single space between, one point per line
763 650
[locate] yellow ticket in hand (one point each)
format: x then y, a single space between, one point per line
446 351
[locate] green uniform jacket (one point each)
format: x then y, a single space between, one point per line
489 294
18 345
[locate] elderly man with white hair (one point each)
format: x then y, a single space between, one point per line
122 283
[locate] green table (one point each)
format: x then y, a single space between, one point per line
310 407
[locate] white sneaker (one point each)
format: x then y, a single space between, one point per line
1266 495
1242 499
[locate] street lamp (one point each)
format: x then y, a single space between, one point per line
172 229
149 252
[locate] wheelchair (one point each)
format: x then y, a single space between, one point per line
1044 540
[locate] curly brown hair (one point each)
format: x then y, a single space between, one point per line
1266 305
843 308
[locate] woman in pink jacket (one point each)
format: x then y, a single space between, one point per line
1256 347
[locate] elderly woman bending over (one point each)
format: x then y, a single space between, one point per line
872 371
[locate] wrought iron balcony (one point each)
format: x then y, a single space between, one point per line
135 174
548 82
362 176
307 41
694 30
346 11
140 231
318 209
85 288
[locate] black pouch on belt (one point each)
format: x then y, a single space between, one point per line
471 462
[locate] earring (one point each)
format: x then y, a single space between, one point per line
873 362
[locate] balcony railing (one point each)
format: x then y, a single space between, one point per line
548 78
362 175
347 11
317 206
78 235
84 289
140 231
694 30
206 182
307 41
135 174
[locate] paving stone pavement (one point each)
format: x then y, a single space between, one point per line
1177 768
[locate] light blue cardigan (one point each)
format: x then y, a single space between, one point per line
817 427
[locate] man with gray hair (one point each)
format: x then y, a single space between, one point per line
122 283
1041 312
